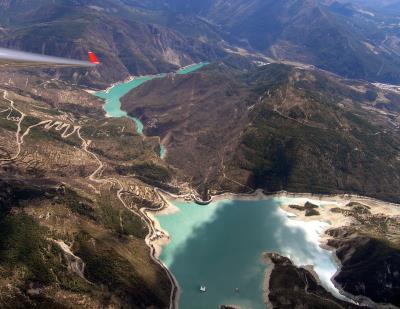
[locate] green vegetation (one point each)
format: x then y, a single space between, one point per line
309 208
295 287
147 170
29 121
29 256
106 267
40 134
77 204
371 95
56 30
270 157
370 266
266 78
23 245
297 207
280 152
119 220
111 128
8 125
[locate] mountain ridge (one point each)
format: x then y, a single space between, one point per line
267 125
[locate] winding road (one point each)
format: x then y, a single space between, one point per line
19 122
67 132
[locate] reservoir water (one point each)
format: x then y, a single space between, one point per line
112 97
221 245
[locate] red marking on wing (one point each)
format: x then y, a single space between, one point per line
93 58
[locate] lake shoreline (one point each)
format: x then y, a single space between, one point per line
267 276
338 200
332 220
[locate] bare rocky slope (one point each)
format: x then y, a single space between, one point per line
137 37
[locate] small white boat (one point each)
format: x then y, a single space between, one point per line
203 288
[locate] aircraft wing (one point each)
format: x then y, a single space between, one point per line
15 58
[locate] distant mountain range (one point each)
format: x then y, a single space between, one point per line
336 37
125 39
136 37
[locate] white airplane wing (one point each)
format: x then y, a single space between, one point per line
15 58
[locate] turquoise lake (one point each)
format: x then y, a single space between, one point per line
112 97
221 245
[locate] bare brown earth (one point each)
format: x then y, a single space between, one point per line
195 124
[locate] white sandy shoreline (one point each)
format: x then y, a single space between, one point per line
333 220
259 194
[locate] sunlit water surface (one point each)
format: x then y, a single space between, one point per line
221 245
